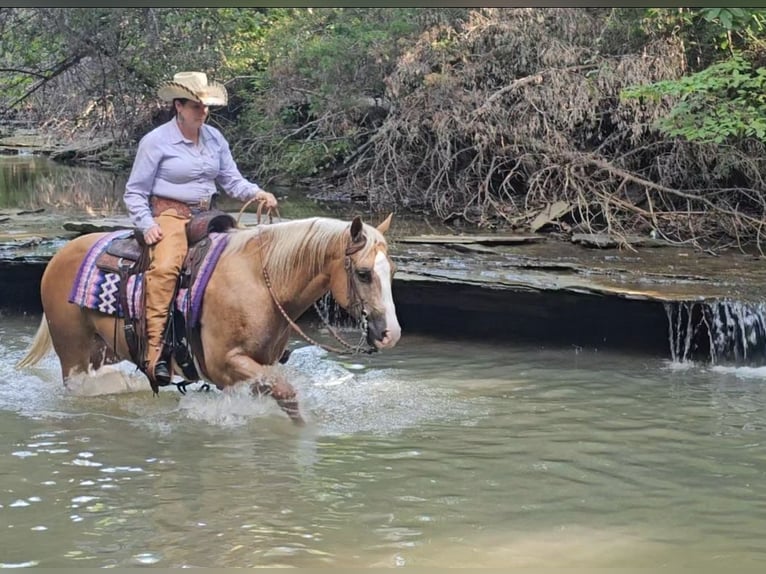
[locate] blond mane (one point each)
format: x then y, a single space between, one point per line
303 243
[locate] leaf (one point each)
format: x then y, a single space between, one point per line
550 214
726 20
711 14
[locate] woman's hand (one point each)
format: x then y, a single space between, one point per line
267 198
153 234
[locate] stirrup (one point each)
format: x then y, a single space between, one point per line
161 379
161 373
181 386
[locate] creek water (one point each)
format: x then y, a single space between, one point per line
440 452
437 453
30 182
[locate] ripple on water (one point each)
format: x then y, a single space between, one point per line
336 398
374 400
31 392
146 558
562 453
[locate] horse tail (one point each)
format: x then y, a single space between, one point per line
40 346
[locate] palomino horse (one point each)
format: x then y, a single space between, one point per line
243 330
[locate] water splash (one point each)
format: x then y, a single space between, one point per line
723 331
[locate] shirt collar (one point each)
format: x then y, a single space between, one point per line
177 137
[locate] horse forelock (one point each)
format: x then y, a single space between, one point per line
303 244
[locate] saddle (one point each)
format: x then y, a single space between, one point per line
130 256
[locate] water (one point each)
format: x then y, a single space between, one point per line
723 331
437 453
29 182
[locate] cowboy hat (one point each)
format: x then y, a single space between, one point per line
193 86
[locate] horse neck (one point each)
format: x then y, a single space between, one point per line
300 274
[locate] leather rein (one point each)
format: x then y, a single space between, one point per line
353 293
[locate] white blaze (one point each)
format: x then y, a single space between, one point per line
394 331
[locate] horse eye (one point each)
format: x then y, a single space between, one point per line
365 275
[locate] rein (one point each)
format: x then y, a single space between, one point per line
348 346
258 211
353 296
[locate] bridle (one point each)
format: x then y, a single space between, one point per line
355 301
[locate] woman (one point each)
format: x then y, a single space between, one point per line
175 173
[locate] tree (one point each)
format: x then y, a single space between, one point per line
94 68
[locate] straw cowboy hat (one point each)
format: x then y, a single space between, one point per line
194 86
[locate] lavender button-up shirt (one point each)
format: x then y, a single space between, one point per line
169 165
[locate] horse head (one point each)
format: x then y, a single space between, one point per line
362 285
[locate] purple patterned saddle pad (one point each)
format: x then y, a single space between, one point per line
98 289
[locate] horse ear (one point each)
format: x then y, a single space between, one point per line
386 223
357 236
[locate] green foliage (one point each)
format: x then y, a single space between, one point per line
623 31
121 52
707 31
329 50
25 54
316 66
723 98
726 100
290 66
741 28
748 20
296 160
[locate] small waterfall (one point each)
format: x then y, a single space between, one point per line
718 331
332 313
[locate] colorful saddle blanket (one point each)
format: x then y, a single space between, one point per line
95 288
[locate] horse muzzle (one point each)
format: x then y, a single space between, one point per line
380 335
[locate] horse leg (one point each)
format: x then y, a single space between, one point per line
284 393
240 368
71 332
72 339
101 353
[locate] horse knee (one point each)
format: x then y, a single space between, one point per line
282 391
284 394
289 404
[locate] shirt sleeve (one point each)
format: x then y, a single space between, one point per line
140 184
229 177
